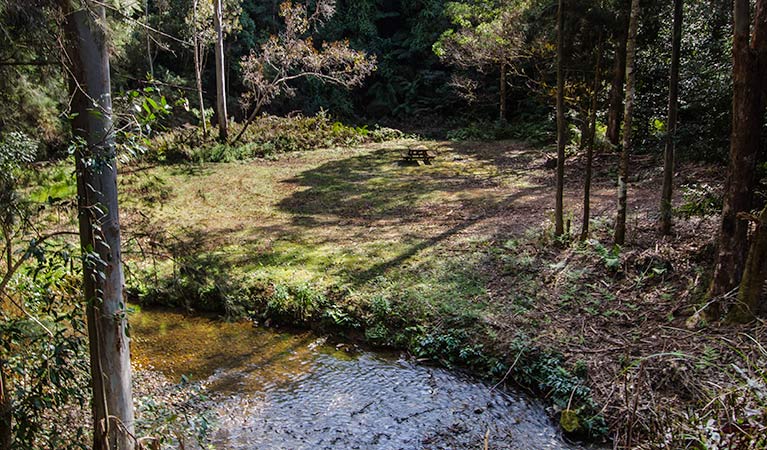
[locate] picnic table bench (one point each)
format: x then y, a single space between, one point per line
417 153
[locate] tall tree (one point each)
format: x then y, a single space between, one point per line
623 169
6 426
748 108
198 66
592 139
615 106
673 113
559 225
291 55
96 171
488 36
223 132
149 58
751 291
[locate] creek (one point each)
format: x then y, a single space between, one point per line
277 390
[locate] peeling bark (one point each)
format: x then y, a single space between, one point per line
99 225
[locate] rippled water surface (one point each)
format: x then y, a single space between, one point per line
293 391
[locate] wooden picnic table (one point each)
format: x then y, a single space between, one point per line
416 153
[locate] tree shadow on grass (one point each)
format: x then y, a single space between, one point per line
374 186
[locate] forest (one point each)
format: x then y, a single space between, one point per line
383 224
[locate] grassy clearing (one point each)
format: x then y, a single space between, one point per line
353 240
454 262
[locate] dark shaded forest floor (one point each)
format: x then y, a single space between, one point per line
461 252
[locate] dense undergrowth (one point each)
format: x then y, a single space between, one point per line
266 137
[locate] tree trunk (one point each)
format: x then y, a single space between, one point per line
223 133
502 101
592 139
148 39
583 121
673 113
623 170
198 70
6 411
614 115
96 172
561 125
748 107
751 290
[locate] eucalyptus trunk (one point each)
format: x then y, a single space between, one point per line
223 132
673 112
623 169
99 225
748 108
559 225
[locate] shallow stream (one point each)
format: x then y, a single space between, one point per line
275 390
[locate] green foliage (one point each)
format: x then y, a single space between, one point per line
610 257
535 132
700 200
168 415
45 354
267 136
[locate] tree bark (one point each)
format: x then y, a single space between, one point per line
623 169
751 290
96 172
559 226
592 139
148 39
198 70
502 100
614 114
223 133
748 108
6 411
673 113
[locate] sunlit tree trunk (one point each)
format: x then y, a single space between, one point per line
223 133
96 173
615 107
559 225
673 113
592 139
198 69
748 108
623 169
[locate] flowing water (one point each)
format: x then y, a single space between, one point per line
276 390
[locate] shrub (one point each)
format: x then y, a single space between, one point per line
266 136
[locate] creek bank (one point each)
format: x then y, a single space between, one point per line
463 345
270 388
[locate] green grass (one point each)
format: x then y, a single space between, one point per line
351 240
